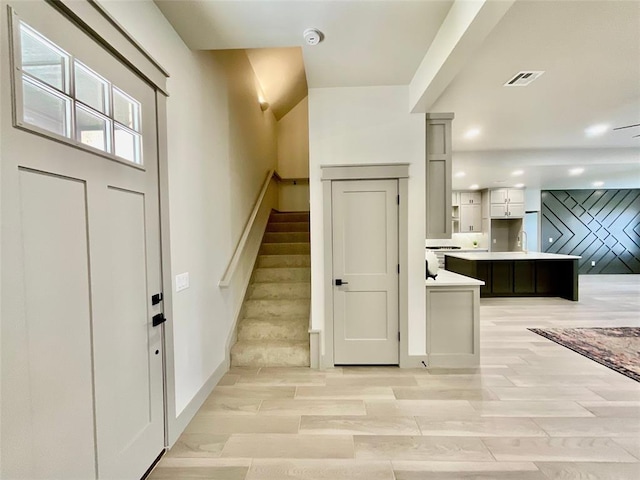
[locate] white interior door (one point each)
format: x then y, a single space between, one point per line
365 261
82 378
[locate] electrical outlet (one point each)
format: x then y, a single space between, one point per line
182 281
550 240
593 263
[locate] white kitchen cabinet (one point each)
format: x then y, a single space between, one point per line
507 203
470 198
470 218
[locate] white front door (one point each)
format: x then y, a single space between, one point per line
365 272
82 369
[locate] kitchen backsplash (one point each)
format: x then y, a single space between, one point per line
462 240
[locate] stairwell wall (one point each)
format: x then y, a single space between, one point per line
220 147
293 157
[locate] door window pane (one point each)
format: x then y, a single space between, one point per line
45 108
91 89
92 130
43 59
126 110
127 145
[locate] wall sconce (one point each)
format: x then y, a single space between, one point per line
264 105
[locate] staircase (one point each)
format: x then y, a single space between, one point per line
274 325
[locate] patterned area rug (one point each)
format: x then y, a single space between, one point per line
617 348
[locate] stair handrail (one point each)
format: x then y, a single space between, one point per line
225 281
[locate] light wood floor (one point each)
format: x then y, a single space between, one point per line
533 410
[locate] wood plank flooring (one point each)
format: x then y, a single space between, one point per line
533 410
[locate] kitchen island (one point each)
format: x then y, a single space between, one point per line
519 274
453 320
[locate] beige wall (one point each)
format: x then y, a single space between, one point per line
293 157
359 125
220 147
293 142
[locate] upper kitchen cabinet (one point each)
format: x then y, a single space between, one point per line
438 175
507 203
470 198
471 218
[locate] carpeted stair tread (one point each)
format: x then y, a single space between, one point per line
274 329
283 261
291 248
279 290
277 308
270 353
290 274
288 227
294 217
286 237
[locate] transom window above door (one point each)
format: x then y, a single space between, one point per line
61 97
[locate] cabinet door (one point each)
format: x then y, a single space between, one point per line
516 210
499 210
470 198
499 196
470 218
515 196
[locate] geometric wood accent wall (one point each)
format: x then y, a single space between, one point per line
602 226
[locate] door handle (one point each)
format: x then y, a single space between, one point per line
339 282
158 319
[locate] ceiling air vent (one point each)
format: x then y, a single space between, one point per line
522 79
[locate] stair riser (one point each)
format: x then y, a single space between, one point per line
281 261
289 217
286 237
263 356
276 308
285 249
279 291
273 275
254 330
288 227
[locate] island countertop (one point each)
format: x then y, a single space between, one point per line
491 256
446 278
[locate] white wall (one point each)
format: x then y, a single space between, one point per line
220 147
293 142
293 157
359 125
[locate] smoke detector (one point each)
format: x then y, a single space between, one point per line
522 79
312 36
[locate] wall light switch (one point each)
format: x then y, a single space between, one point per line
550 240
182 281
495 241
593 263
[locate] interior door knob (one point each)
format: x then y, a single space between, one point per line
340 282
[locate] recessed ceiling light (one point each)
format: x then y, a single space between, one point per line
472 133
596 130
576 171
517 173
475 186
598 184
519 185
460 174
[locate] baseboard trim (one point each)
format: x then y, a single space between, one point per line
196 402
314 349
414 361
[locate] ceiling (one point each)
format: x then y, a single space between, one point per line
589 50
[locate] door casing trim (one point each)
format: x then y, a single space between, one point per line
391 171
